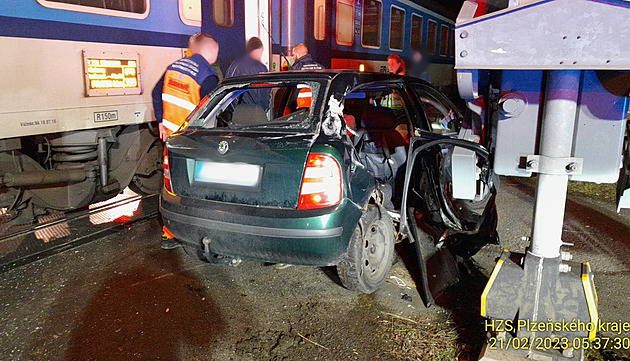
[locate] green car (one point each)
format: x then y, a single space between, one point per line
314 168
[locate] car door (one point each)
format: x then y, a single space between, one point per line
623 183
444 229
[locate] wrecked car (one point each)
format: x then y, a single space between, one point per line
332 170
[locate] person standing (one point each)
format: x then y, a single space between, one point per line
395 64
248 64
251 62
180 90
185 83
420 65
303 60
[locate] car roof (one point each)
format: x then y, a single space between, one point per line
311 75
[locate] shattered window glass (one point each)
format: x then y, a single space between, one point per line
256 106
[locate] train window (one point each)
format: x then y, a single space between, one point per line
372 21
223 11
319 29
432 37
190 12
444 40
345 22
451 43
125 8
416 32
396 28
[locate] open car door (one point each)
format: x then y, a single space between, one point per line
445 230
623 184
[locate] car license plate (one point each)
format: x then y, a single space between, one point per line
228 174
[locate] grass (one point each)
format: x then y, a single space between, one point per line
603 192
411 340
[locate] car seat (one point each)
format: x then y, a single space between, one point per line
381 148
249 114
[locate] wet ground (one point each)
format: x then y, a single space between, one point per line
123 298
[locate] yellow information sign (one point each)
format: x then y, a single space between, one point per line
111 74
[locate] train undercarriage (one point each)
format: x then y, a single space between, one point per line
47 174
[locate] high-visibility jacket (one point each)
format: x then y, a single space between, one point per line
304 98
182 87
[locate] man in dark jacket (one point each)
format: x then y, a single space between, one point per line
420 65
303 60
251 63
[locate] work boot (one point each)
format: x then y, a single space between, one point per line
169 243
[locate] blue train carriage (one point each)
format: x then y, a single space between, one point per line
345 34
232 22
77 77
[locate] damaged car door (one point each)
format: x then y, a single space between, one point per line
445 229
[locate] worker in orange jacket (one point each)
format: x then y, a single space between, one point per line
180 90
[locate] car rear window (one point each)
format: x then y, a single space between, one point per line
259 105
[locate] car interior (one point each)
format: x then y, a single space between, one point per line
379 124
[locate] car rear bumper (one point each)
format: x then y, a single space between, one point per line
315 237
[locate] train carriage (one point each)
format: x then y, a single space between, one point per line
76 98
348 34
76 113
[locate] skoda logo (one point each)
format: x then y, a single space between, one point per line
223 147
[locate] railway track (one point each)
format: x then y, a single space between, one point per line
60 232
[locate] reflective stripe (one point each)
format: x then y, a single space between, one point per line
179 102
486 290
170 125
305 98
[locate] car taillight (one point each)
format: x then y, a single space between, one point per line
167 173
321 185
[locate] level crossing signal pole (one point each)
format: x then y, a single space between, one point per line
546 70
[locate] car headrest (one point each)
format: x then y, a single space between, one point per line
378 118
247 114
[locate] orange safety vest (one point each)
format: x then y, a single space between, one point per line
181 92
305 98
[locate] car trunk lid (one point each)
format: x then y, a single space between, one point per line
255 168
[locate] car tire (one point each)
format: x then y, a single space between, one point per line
370 253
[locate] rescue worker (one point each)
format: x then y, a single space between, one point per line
178 92
185 83
395 64
303 60
248 64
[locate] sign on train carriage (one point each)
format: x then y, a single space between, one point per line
111 73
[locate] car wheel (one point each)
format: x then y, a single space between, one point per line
370 252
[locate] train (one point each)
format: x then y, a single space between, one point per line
76 113
361 34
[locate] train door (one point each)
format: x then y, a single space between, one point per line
225 20
257 24
319 29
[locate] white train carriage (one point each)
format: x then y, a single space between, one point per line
75 110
